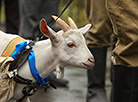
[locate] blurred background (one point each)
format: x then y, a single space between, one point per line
2 17
76 11
73 11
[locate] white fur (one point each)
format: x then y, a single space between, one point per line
52 55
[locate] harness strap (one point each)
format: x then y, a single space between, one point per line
21 54
22 80
11 46
20 59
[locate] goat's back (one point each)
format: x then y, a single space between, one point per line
5 39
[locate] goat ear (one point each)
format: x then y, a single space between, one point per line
85 28
47 30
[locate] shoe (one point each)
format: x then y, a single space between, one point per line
125 84
58 82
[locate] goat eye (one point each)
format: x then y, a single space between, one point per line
71 45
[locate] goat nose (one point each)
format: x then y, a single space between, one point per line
91 59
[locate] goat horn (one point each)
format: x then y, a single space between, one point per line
63 25
72 23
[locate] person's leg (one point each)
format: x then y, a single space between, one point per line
97 39
12 16
32 11
29 13
96 76
47 9
125 84
123 14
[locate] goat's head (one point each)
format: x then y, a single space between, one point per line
69 44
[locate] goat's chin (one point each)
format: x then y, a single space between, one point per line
83 65
87 65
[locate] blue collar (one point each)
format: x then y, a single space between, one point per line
31 58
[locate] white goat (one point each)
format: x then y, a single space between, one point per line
64 48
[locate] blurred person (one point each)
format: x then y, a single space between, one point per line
124 17
98 40
31 12
12 15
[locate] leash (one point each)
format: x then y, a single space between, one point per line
42 36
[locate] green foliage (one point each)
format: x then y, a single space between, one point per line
2 12
76 11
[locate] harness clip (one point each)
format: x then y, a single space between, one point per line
11 74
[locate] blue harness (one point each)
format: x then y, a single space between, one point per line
31 58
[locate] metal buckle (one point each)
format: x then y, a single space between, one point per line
11 74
